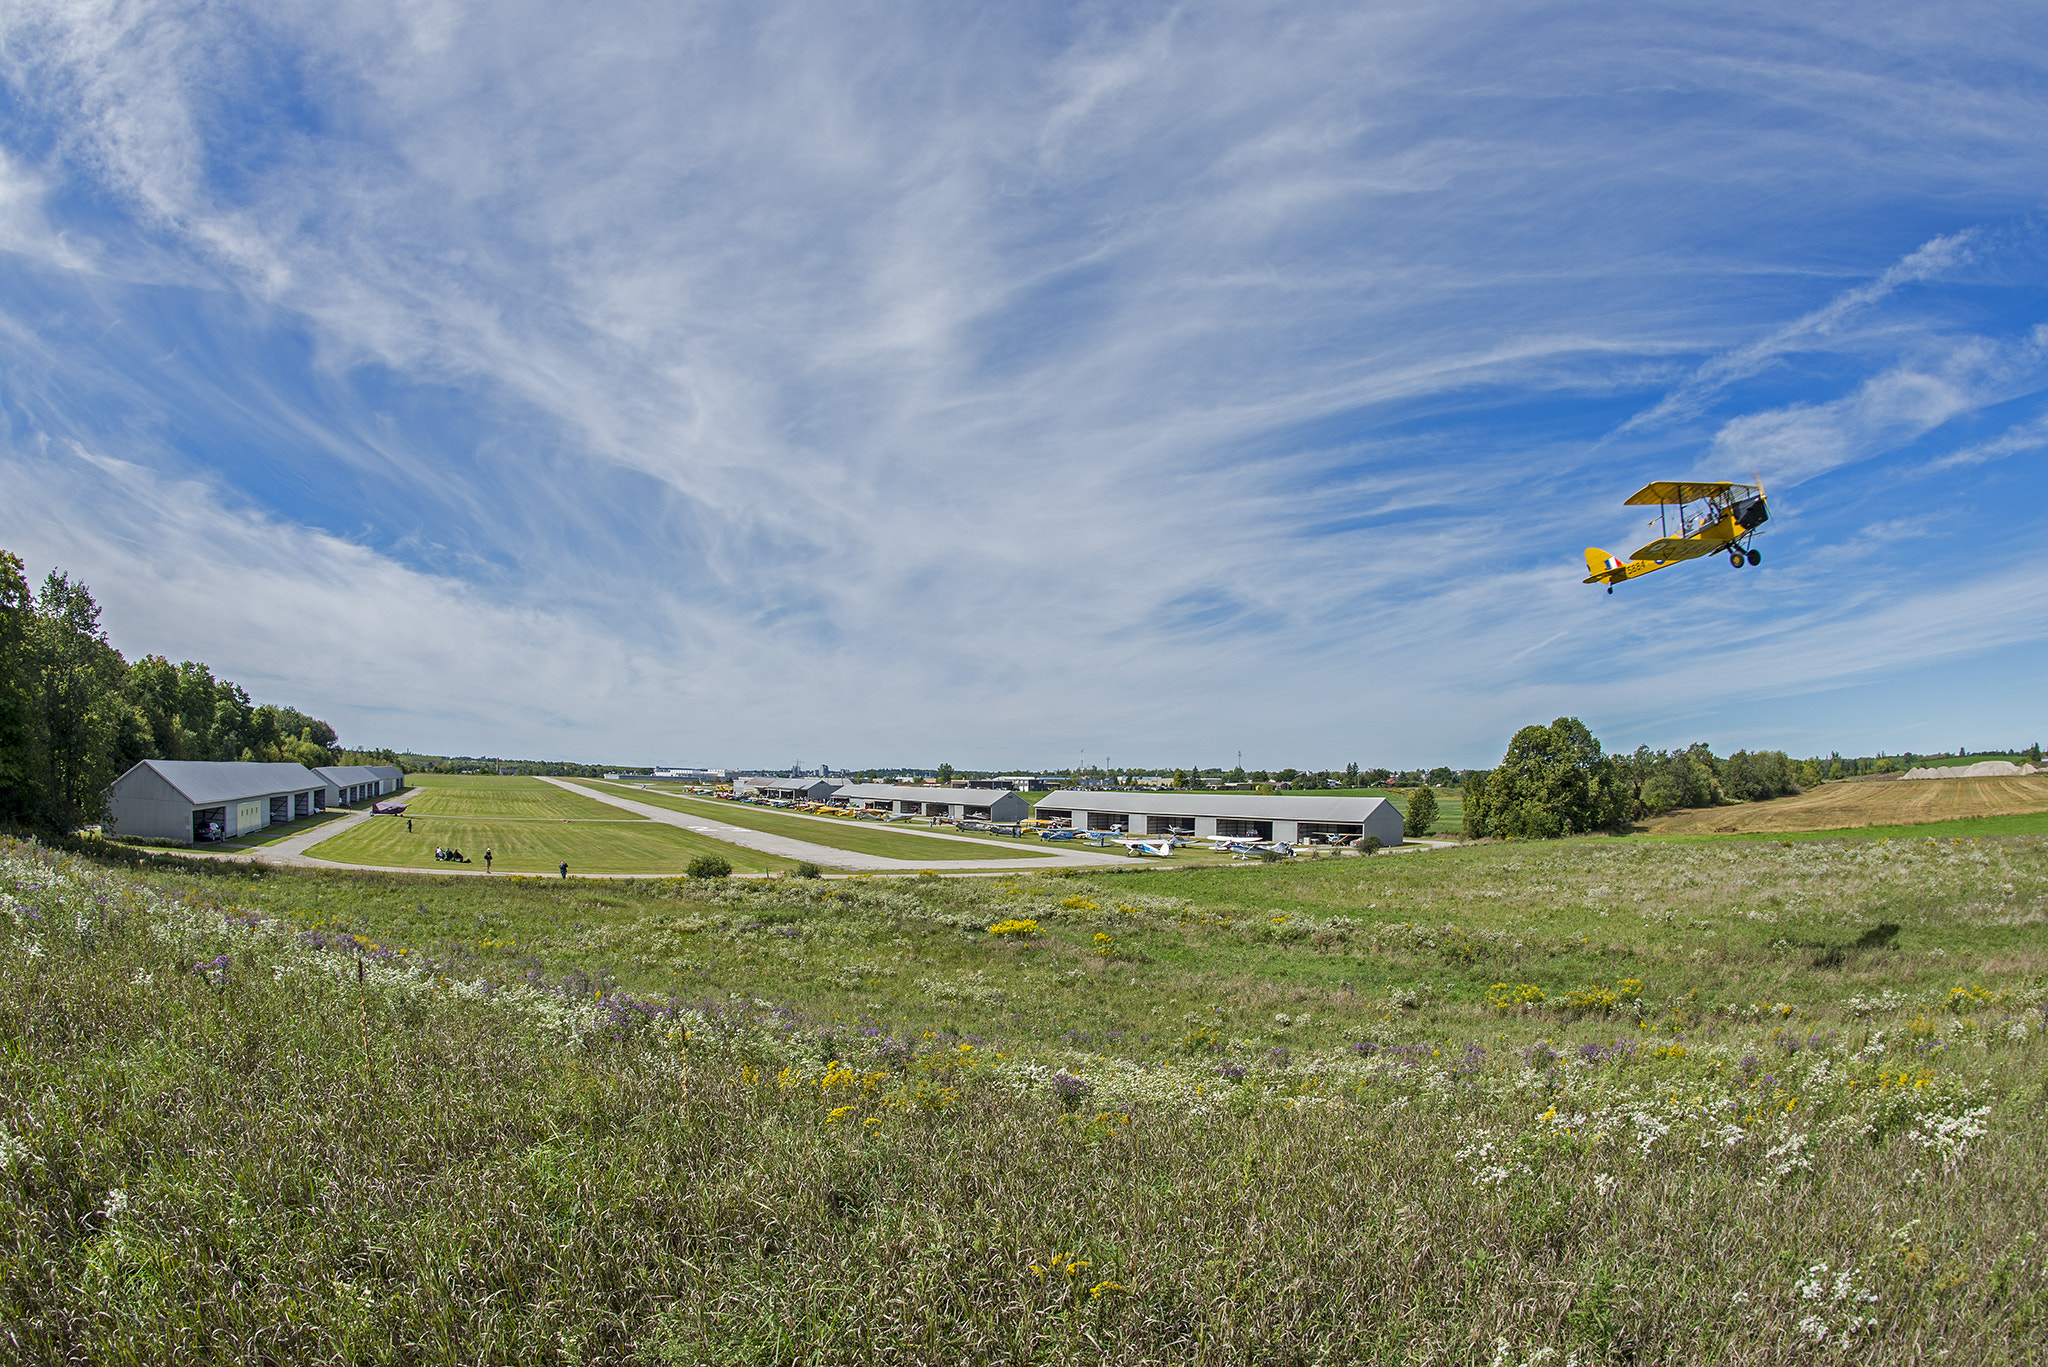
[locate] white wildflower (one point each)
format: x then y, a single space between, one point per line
1782 1160
1950 1135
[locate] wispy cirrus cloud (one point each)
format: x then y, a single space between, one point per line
1929 261
1016 355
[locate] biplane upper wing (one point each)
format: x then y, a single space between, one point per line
1676 491
1676 548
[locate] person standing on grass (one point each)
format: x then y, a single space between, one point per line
487 859
408 825
565 868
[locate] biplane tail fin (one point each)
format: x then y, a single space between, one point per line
1600 565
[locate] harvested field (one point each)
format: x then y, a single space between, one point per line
1837 806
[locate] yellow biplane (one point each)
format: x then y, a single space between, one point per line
1725 519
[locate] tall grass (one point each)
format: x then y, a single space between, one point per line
234 1135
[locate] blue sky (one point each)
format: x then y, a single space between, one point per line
905 382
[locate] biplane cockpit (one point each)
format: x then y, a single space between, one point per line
1693 519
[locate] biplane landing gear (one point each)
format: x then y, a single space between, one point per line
1610 588
1735 559
1756 557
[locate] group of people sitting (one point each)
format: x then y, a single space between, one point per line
450 855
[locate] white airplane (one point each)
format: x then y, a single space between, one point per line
1161 848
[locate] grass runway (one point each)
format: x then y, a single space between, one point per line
857 837
539 846
506 798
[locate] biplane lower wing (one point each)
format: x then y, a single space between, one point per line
1678 548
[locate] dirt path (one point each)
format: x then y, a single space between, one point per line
1898 802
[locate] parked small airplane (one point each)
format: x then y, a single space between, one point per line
1162 848
1726 521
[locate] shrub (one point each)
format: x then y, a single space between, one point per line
1371 844
709 866
807 870
1014 927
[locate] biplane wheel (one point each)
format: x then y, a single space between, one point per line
1610 588
1735 559
1756 557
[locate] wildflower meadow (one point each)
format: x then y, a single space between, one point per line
1576 1102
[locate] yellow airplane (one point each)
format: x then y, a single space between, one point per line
1726 521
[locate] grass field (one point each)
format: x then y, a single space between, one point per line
1596 1100
853 836
503 798
530 845
1838 806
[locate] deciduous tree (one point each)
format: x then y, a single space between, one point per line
1421 813
1554 780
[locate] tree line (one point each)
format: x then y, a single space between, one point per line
1556 780
75 715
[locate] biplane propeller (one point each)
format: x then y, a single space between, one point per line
1725 519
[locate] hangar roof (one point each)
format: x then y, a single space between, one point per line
347 775
1238 806
213 782
904 792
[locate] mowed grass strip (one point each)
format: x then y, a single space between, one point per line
1969 828
1843 806
490 796
854 836
539 846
